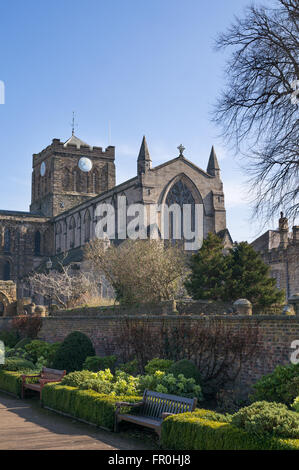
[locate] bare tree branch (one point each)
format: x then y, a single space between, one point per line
256 111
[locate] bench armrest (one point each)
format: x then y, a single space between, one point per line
24 377
125 403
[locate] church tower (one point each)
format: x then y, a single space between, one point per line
66 174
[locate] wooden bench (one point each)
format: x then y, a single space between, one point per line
153 409
46 376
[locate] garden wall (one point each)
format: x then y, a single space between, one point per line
275 337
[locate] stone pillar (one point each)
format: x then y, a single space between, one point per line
294 301
242 307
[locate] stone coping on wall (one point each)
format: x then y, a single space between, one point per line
233 317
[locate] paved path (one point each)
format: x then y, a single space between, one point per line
24 425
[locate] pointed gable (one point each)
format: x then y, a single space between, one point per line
213 165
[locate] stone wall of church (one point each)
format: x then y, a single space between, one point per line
25 241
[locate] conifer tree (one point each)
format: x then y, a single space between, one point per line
208 271
249 277
241 273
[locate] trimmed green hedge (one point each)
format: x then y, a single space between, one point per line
189 431
11 382
88 405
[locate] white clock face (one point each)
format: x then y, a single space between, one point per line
43 169
85 164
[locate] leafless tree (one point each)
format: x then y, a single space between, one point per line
259 109
219 348
63 287
139 270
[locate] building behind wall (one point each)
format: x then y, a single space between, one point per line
280 250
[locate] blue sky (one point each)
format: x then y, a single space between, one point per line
136 66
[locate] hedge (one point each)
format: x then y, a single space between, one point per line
11 382
87 405
189 431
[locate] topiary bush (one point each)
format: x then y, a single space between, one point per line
280 386
16 364
187 368
158 364
88 405
190 431
73 351
266 418
96 363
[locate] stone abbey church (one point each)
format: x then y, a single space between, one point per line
69 180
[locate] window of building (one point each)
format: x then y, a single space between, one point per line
6 271
7 240
37 243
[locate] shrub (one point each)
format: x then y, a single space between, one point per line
295 405
103 382
11 382
187 368
212 415
27 326
158 364
88 405
9 337
168 383
96 363
280 386
37 349
16 364
130 367
188 431
22 343
264 418
73 351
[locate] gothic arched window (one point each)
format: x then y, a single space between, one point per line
87 221
180 194
37 243
58 237
7 240
72 228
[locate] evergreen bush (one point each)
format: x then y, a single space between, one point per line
72 352
96 363
187 368
264 418
281 386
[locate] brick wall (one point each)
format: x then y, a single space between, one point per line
276 336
